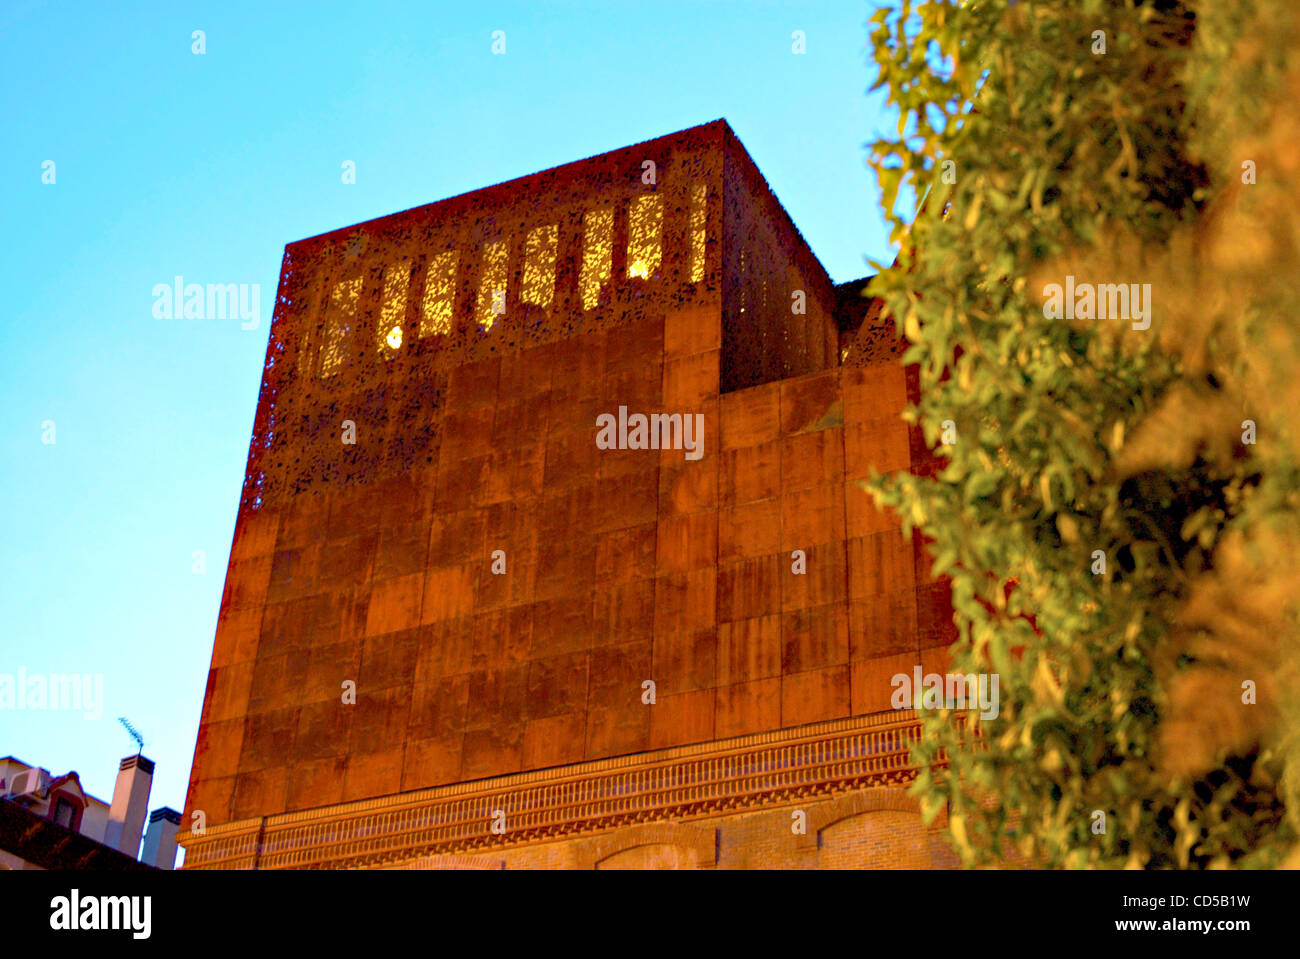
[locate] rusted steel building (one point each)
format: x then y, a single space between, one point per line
552 550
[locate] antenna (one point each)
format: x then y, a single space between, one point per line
134 734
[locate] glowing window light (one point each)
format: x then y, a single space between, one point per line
744 281
492 290
698 228
597 249
305 355
393 309
645 226
539 265
438 304
340 316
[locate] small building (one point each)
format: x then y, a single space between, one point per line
51 822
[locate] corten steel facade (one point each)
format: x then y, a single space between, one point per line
499 589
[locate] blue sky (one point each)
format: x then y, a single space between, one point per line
170 163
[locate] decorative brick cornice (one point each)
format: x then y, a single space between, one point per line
691 782
451 861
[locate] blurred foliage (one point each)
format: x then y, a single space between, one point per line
1121 691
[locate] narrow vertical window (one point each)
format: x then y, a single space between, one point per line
644 229
492 287
539 265
698 229
438 304
64 812
597 249
305 355
392 312
744 282
340 318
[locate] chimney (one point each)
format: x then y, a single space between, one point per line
160 840
130 805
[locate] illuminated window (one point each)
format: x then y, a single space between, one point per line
644 228
539 265
439 295
305 355
393 310
340 316
699 220
492 289
744 282
597 248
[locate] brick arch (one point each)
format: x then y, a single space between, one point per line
697 839
878 799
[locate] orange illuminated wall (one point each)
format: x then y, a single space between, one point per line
497 589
